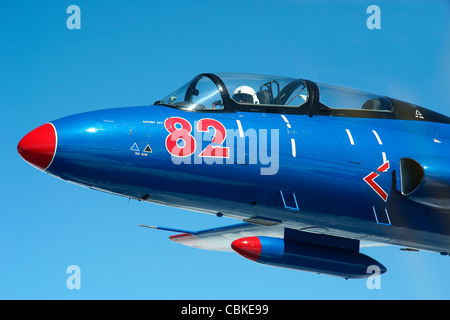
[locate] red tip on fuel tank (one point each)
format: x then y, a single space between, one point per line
249 247
38 146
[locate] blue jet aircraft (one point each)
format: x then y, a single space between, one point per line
313 172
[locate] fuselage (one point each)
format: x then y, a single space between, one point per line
302 172
296 154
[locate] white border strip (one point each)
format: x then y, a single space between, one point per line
56 146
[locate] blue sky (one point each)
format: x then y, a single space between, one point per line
130 53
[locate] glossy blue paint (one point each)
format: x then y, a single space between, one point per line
341 174
94 149
328 260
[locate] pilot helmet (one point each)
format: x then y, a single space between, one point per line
245 94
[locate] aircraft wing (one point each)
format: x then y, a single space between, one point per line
284 247
220 239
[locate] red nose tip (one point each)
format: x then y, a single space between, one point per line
38 146
249 247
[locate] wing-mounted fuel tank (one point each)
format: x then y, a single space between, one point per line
319 257
426 180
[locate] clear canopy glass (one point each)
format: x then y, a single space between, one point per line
206 92
343 98
265 90
247 89
201 93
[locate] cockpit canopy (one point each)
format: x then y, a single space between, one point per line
208 92
236 92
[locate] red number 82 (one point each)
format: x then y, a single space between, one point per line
180 142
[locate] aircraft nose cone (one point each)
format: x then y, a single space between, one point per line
38 146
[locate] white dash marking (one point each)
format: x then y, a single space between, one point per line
286 120
378 137
350 137
241 132
294 150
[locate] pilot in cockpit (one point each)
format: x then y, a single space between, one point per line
245 94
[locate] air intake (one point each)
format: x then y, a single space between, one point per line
411 173
426 180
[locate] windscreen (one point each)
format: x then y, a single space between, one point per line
199 94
